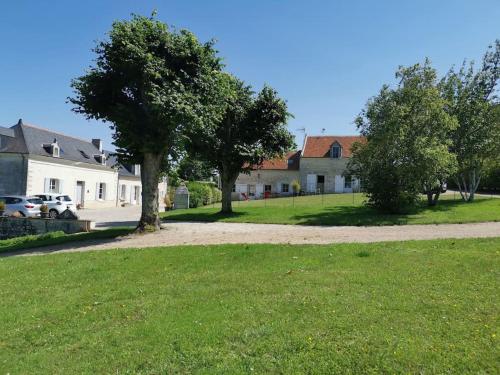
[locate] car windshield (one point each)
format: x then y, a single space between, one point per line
64 198
35 200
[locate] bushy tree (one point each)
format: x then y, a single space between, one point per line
252 128
407 148
150 83
191 169
471 99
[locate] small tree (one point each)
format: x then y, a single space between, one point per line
471 99
150 83
296 187
251 129
406 152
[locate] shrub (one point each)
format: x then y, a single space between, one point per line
216 194
2 206
296 186
44 208
199 194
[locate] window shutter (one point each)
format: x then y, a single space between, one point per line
97 191
61 186
46 185
103 192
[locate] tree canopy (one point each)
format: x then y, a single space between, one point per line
252 128
407 148
150 83
471 99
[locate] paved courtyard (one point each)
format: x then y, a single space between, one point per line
112 217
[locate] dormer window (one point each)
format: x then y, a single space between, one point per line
101 158
336 151
52 148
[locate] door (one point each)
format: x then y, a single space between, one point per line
311 180
80 192
321 184
339 184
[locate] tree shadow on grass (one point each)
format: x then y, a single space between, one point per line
367 216
201 216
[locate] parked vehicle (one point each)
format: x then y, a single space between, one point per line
57 203
26 206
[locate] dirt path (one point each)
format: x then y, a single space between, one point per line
220 233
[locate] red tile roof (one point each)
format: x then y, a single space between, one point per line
291 162
319 146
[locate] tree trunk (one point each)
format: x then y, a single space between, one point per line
150 175
227 188
430 201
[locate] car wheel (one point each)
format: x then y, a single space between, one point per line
53 214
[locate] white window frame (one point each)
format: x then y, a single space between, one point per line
102 191
336 146
283 188
53 185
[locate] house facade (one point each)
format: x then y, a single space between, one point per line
319 167
35 161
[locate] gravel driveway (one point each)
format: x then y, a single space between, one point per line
220 233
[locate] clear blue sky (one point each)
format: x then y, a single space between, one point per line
325 57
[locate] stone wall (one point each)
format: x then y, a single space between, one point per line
16 227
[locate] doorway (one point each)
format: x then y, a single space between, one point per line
80 192
321 184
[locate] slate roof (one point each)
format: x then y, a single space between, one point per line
123 170
290 162
320 146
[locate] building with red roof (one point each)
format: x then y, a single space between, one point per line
319 168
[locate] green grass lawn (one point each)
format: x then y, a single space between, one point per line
57 238
342 209
401 307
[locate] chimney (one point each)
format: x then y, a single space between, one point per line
20 122
97 143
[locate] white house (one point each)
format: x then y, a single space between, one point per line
35 160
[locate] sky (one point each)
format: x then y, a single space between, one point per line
326 58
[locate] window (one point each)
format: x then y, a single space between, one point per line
347 182
54 185
284 188
233 189
102 191
336 152
123 192
63 198
251 190
267 188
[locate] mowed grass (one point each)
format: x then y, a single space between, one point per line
342 209
401 307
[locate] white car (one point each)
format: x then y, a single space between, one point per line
57 203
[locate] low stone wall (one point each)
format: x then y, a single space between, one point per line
16 227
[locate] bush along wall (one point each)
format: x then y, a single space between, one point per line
203 193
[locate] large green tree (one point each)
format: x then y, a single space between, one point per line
407 148
150 83
471 98
252 128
